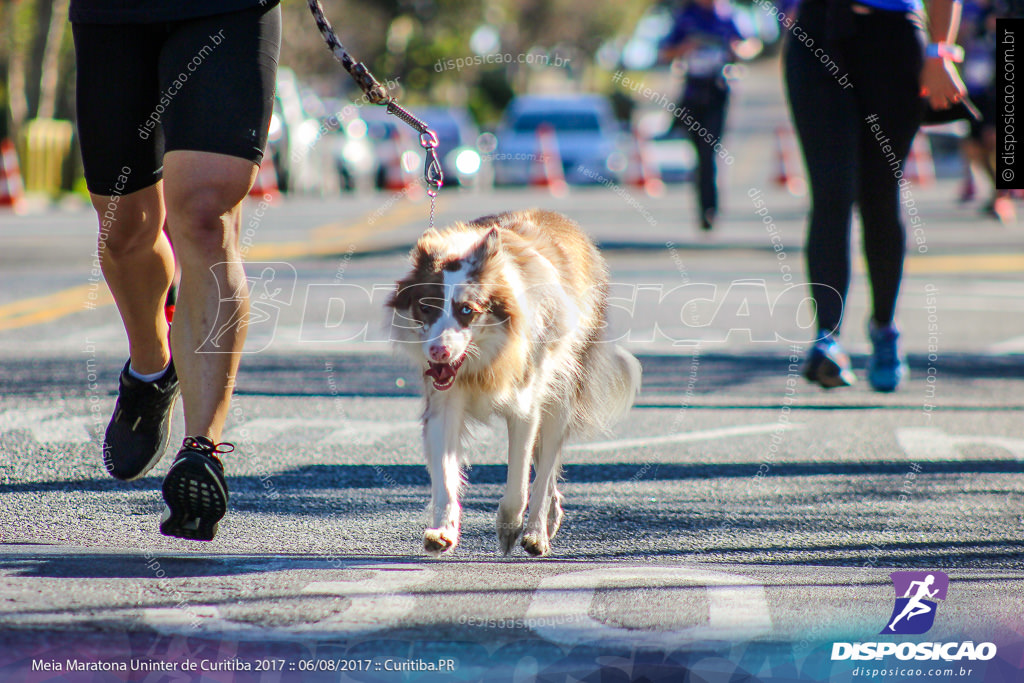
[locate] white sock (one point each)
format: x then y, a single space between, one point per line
147 378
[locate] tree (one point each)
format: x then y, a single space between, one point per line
33 48
50 69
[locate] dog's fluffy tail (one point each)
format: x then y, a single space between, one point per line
608 390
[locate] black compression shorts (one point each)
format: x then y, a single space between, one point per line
204 84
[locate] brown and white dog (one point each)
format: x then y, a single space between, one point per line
506 316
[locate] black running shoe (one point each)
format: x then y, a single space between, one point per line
195 490
141 425
707 219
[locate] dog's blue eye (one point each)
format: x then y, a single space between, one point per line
466 310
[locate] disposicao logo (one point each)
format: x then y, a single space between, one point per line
916 592
914 614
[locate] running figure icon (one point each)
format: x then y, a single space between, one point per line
268 294
915 608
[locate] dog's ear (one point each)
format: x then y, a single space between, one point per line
402 297
488 246
429 238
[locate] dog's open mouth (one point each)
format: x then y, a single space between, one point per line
444 373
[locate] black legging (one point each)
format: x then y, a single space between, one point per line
709 110
882 52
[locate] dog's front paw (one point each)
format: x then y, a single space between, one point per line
536 544
437 541
508 534
510 526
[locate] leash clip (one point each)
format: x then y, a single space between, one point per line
432 173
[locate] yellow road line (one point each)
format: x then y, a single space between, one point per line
28 305
982 264
324 240
42 309
968 263
334 238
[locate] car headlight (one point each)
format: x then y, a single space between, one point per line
356 129
355 154
467 162
275 128
307 133
616 162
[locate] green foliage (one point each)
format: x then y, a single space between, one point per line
410 41
398 39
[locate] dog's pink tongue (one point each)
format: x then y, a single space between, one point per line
441 372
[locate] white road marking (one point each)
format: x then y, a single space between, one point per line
45 425
1007 347
375 603
366 433
179 619
560 611
339 431
931 444
109 337
50 425
683 437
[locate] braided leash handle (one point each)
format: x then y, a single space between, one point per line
375 92
378 94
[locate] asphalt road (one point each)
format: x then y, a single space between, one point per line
738 523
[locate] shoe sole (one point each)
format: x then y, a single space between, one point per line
107 458
196 501
828 374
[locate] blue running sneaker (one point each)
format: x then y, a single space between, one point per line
828 365
887 368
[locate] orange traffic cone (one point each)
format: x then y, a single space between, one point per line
920 166
547 168
641 171
265 187
789 173
12 191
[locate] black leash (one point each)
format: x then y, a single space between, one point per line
378 94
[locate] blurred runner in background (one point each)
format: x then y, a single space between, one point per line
704 35
977 37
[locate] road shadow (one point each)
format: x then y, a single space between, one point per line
697 525
343 477
378 375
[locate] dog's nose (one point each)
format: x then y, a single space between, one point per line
440 353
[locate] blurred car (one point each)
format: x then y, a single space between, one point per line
669 150
674 158
303 164
590 142
355 158
396 146
463 162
